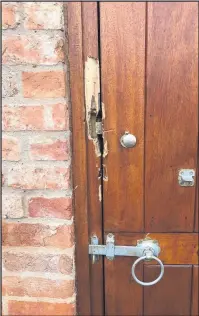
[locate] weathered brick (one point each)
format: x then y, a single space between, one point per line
45 49
23 118
10 148
9 82
44 84
37 262
49 148
12 206
35 48
60 207
10 18
26 234
60 116
41 15
36 118
37 287
21 308
30 177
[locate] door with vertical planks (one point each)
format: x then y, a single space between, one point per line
149 88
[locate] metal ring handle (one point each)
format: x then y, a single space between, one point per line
152 282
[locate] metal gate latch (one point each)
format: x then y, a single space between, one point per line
146 249
110 250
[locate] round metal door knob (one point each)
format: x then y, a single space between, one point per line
128 140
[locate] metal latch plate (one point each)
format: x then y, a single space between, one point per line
110 250
186 177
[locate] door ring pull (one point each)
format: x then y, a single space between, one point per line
152 282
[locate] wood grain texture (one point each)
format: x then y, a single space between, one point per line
171 296
195 293
90 50
179 248
171 114
122 69
123 295
73 15
196 225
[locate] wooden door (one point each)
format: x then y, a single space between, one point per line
143 59
149 80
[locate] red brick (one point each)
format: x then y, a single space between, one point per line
37 262
44 84
26 234
36 118
43 148
23 118
31 177
12 205
9 16
38 49
41 15
21 308
60 207
10 148
60 116
37 287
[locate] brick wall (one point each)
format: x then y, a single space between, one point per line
38 241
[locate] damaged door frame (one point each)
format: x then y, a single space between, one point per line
81 21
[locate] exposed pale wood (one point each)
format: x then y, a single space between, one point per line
171 296
90 50
73 11
123 55
195 293
171 114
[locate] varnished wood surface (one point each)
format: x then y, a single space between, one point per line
123 295
179 248
90 50
167 143
171 296
73 12
122 64
195 293
157 47
196 228
171 115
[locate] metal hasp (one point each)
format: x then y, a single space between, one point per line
186 177
110 250
146 249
